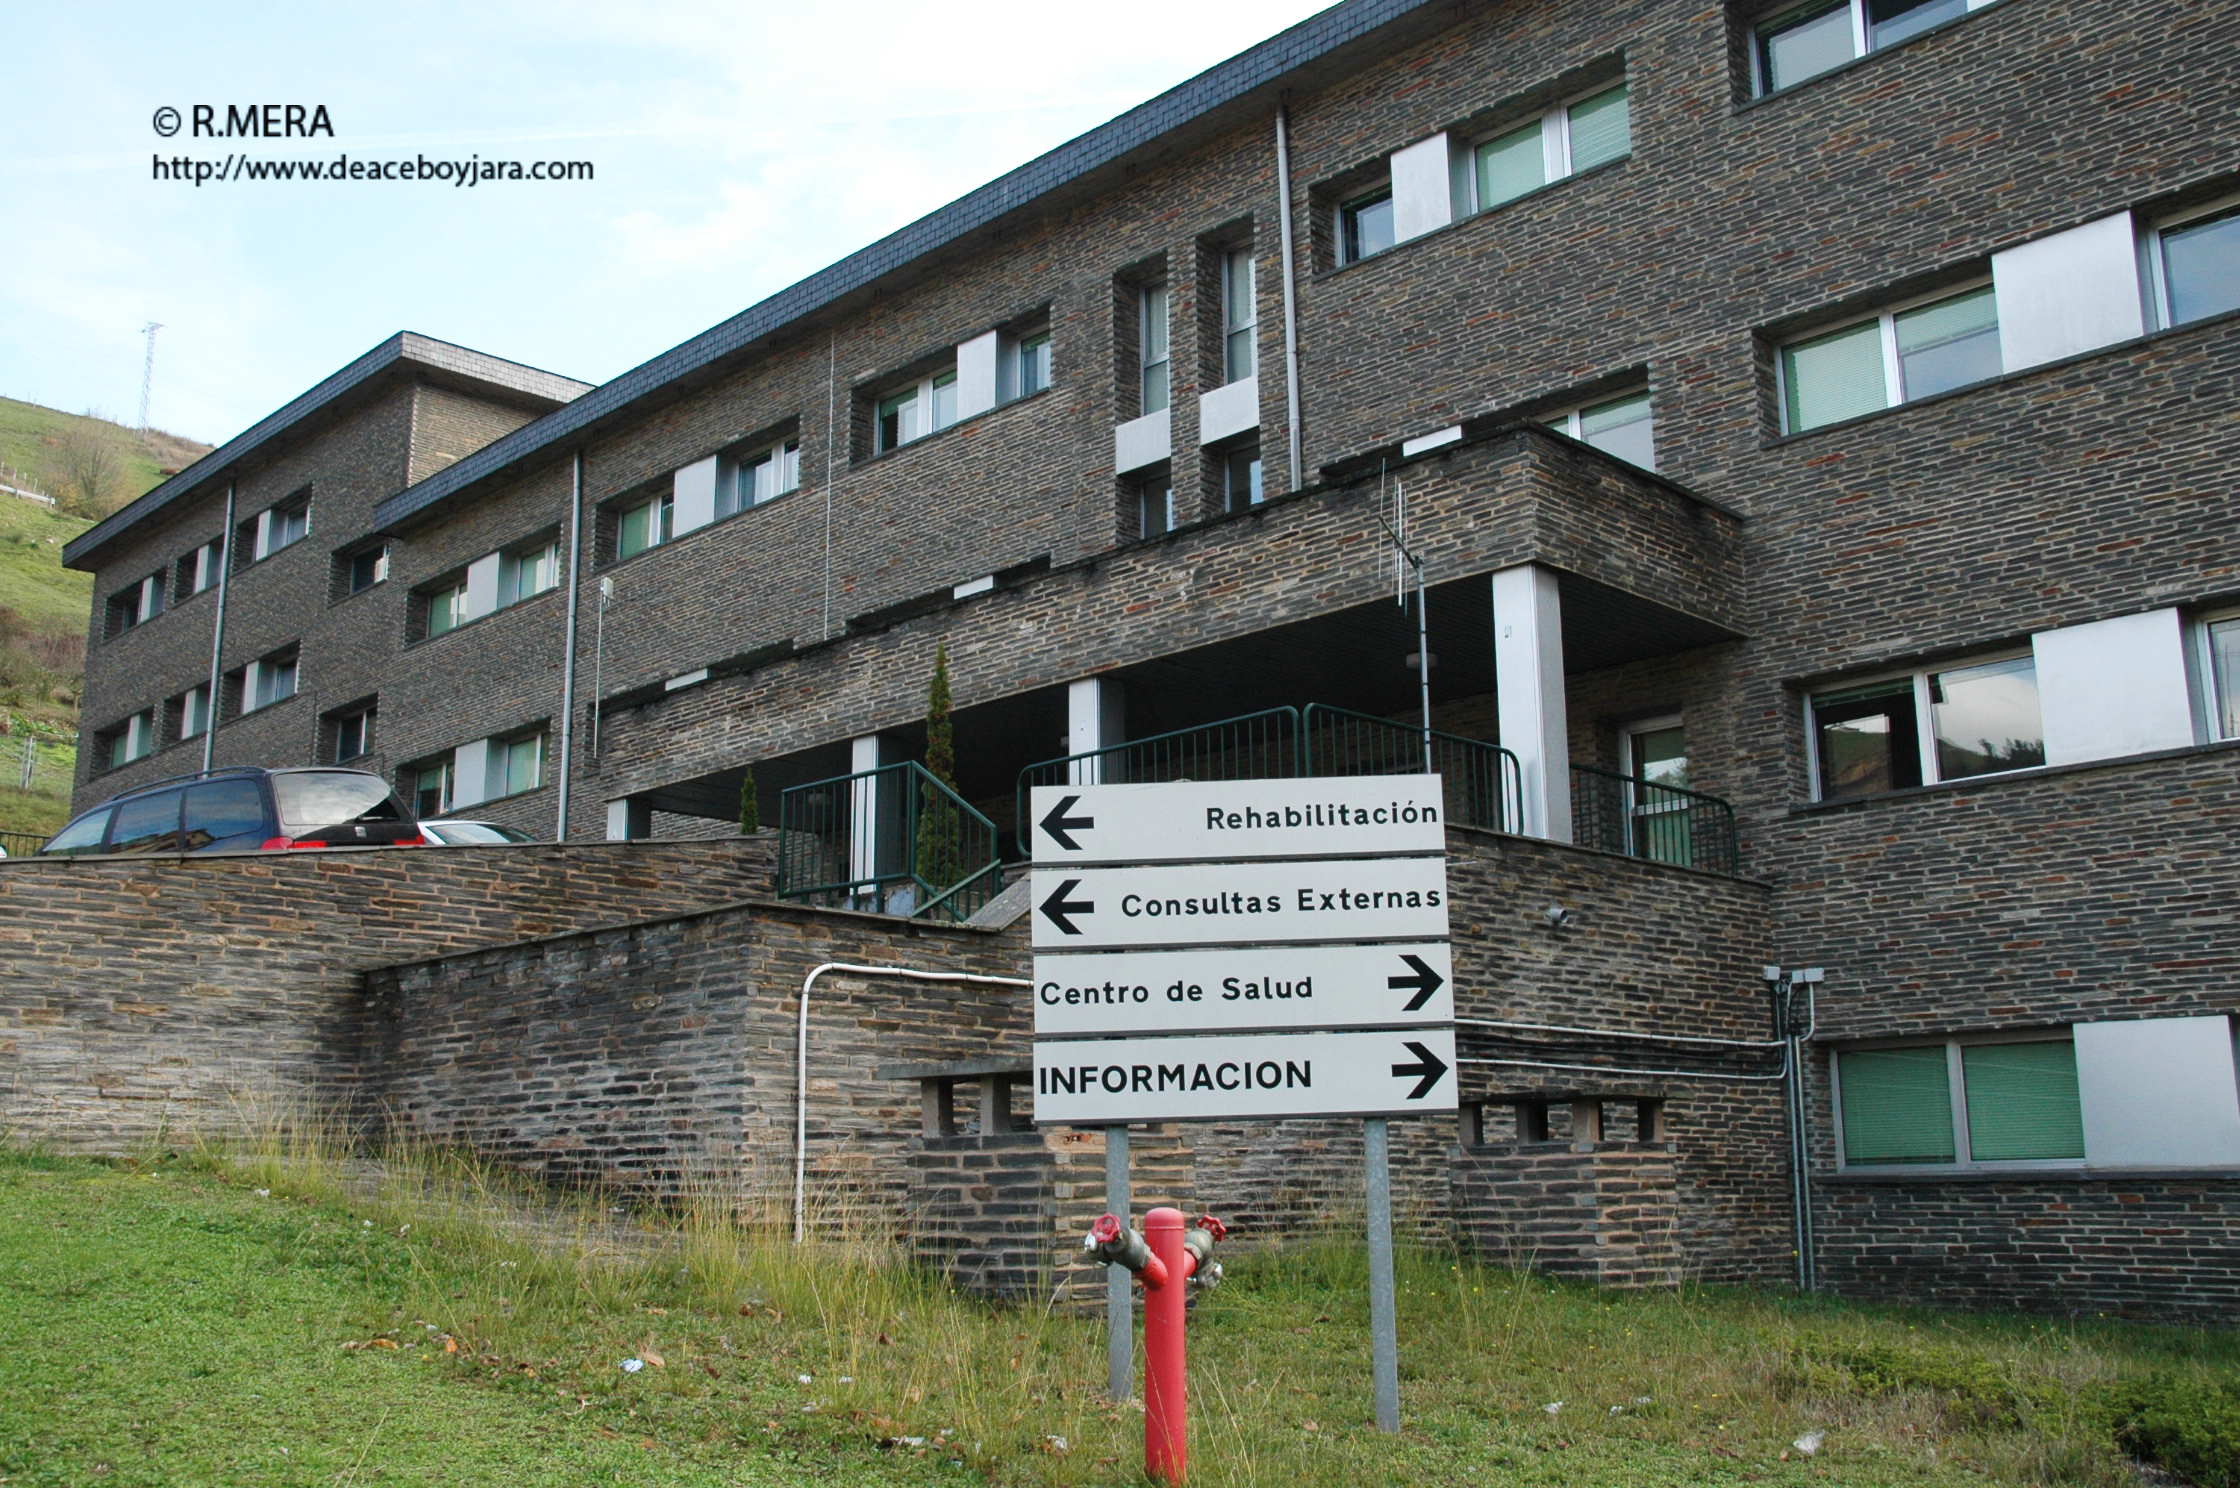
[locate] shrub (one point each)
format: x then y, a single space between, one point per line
2190 1426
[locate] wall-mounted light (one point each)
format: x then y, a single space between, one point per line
1557 916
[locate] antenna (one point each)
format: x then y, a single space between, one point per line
148 370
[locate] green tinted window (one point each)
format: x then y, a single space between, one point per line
1897 1106
2022 1102
1834 377
1601 129
1510 166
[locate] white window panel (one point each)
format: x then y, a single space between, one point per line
482 586
1422 189
2070 293
2114 687
470 774
694 493
979 363
2159 1092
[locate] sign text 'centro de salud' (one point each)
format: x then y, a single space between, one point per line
1228 950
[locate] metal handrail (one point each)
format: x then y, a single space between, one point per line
1251 746
894 840
1645 819
1484 783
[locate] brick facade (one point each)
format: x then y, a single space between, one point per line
1752 569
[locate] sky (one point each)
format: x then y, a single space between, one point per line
736 147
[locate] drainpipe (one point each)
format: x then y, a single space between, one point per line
1290 296
568 648
218 632
801 1062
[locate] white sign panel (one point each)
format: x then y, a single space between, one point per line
1225 820
1103 1082
1226 989
1240 903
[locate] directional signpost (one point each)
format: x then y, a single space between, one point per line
1245 950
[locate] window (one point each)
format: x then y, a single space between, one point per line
1152 339
516 765
1962 1103
136 605
913 412
447 608
81 836
2220 641
646 525
194 712
528 572
133 739
278 527
1034 364
199 569
269 680
1562 142
1154 503
1240 479
1659 825
430 784
1240 316
1365 226
762 476
147 824
1897 357
366 569
1803 42
353 735
1978 719
2195 267
1622 427
219 809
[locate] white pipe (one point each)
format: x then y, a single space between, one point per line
218 640
801 1060
1290 298
568 649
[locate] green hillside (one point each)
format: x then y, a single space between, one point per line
91 467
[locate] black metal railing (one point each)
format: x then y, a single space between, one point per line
1484 787
21 844
894 840
1252 746
1643 819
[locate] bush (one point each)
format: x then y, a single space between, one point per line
2190 1426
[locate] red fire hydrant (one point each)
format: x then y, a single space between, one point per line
1163 1258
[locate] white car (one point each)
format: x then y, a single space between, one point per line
470 834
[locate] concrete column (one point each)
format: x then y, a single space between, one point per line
865 754
1528 677
629 820
1096 718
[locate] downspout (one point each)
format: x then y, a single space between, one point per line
568 648
801 1062
218 632
1290 296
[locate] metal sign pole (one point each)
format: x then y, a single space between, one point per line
1384 1345
1119 1295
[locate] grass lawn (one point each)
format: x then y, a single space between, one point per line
166 1323
33 581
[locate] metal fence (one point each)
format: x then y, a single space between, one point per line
894 840
1252 746
1642 819
1484 787
21 844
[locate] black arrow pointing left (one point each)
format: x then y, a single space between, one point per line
1059 825
1428 1065
1060 909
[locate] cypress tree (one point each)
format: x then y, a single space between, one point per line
750 807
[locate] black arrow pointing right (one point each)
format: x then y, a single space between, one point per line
1058 824
1430 1066
1058 907
1423 983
